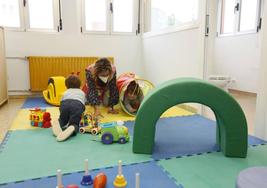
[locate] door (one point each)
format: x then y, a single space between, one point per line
3 77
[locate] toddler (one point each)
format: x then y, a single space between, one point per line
133 97
71 109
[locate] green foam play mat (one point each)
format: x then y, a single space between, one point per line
212 170
35 153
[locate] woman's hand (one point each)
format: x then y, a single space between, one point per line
111 110
97 112
132 110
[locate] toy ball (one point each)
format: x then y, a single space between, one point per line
72 186
100 180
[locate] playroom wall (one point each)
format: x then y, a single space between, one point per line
261 111
175 54
239 57
70 42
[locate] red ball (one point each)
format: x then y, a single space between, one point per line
72 186
100 180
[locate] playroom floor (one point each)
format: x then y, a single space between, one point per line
247 101
7 113
190 162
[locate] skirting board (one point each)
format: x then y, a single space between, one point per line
3 102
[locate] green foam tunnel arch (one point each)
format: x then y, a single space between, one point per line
231 122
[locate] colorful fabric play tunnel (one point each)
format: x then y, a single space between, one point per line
124 80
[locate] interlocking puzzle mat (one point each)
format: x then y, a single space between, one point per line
158 179
179 136
213 170
38 152
21 121
30 157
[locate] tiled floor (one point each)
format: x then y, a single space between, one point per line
7 113
247 102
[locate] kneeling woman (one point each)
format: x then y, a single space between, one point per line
101 86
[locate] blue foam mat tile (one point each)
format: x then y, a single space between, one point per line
151 175
186 136
33 102
252 141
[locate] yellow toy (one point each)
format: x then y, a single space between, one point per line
55 89
120 181
40 118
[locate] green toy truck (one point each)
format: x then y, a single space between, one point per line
112 132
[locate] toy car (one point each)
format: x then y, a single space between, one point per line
89 124
85 121
112 132
90 129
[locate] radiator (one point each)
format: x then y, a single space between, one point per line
41 68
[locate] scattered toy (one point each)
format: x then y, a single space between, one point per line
120 181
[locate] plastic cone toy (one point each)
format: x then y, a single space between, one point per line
120 181
137 180
87 178
59 179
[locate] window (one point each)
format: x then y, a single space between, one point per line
122 15
10 13
239 16
172 13
109 16
228 22
41 14
249 15
30 14
96 15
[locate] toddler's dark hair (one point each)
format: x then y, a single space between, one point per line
73 81
133 88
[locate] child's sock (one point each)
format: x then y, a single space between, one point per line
64 135
56 128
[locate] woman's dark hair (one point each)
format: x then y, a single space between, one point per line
102 65
73 81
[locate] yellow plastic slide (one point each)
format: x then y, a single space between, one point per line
55 89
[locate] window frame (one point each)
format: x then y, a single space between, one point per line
237 31
134 21
25 19
56 17
171 29
109 21
84 30
21 19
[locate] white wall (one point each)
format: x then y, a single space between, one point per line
18 75
176 54
239 57
261 112
70 42
172 55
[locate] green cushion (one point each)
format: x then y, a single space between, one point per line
232 125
